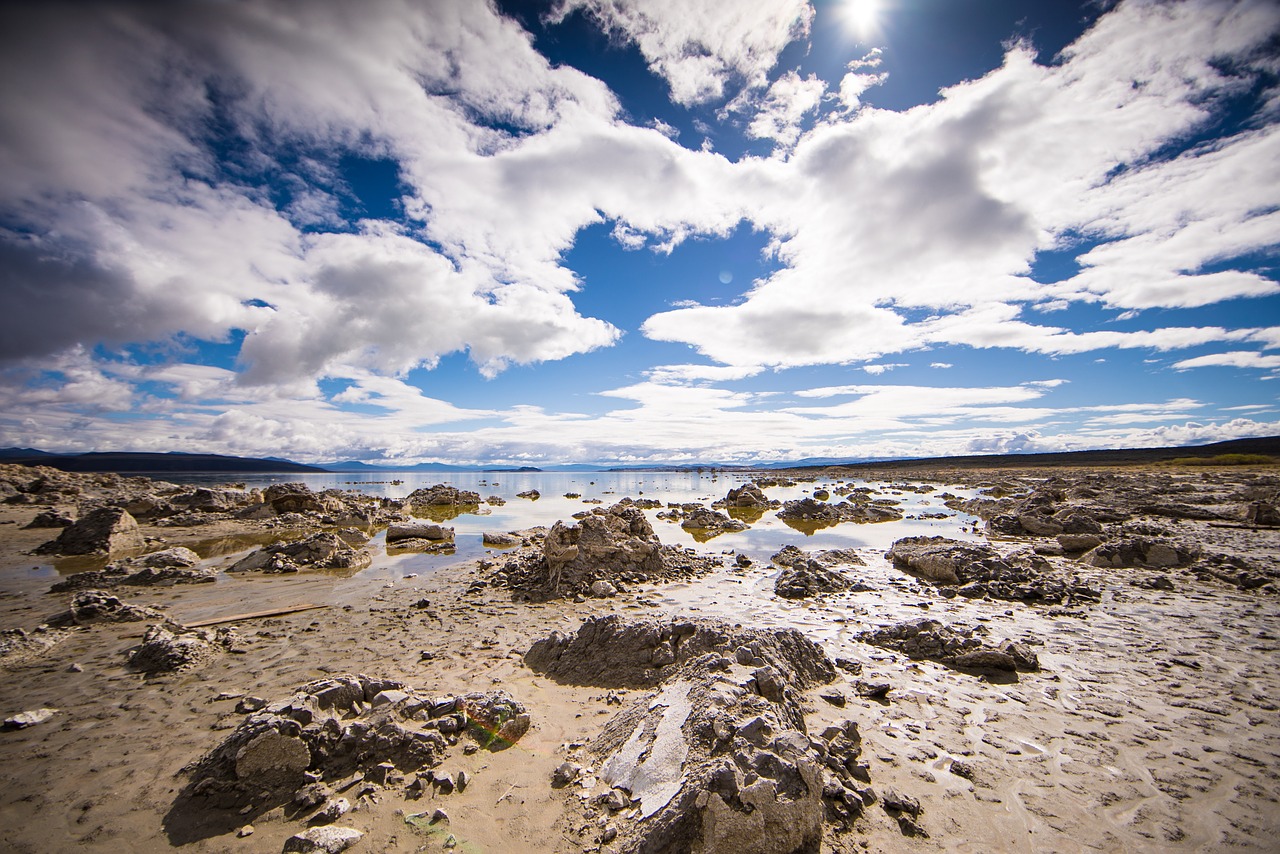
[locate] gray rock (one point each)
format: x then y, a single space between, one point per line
603 589
22 720
273 758
106 531
166 648
323 550
329 840
96 606
499 539
443 495
619 539
416 530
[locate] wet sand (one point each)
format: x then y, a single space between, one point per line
1152 725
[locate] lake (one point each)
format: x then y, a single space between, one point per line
765 536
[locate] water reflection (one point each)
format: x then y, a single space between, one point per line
520 510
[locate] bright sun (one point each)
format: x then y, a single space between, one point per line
862 17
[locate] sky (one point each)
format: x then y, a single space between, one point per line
637 231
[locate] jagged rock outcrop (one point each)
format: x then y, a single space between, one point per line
442 495
810 578
98 606
717 758
323 550
176 565
705 523
930 639
106 531
605 542
1141 551
167 648
289 749
811 513
975 570
610 651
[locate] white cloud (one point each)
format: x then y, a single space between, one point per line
1233 359
700 47
778 113
877 370
944 207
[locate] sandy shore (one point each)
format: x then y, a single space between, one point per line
1152 725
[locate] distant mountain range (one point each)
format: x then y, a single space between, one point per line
145 463
150 463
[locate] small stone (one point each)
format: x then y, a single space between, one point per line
439 815
22 720
872 690
333 810
565 774
75 668
389 697
610 834
603 589
450 842
835 698
247 830
250 704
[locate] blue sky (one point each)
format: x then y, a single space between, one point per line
638 230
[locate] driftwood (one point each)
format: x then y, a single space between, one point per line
275 612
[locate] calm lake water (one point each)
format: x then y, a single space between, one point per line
765 536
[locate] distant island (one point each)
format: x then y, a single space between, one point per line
174 461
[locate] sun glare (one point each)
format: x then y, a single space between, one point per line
862 17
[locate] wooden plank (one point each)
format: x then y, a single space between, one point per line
275 612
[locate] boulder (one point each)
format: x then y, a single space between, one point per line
326 840
980 570
1126 552
443 495
810 578
173 648
747 496
292 498
717 758
22 720
323 550
49 519
416 530
614 652
499 539
806 513
710 523
177 565
96 606
605 542
924 638
106 531
1260 513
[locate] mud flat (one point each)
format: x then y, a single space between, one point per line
1089 667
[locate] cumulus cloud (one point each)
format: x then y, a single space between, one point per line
779 112
700 47
944 208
